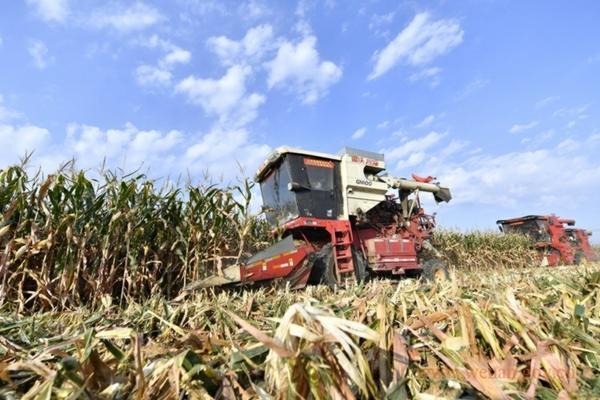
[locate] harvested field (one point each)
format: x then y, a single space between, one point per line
514 333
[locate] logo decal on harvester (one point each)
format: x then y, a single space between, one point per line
365 182
367 161
313 162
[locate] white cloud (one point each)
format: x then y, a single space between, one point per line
217 96
161 74
203 8
377 20
428 74
299 67
149 75
250 48
134 17
221 152
253 9
521 176
568 145
518 128
6 114
412 160
225 97
225 154
572 112
538 139
127 147
428 120
359 133
420 42
39 52
413 146
379 23
453 147
546 101
471 87
303 7
16 141
303 28
176 56
519 179
50 10
383 124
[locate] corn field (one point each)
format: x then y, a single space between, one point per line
524 333
68 240
484 250
91 306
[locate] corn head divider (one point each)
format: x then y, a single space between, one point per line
339 221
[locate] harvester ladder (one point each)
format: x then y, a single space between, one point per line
343 254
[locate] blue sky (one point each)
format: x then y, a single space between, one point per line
498 99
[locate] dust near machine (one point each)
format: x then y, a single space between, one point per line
339 222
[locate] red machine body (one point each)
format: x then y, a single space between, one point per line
579 239
548 236
387 249
337 221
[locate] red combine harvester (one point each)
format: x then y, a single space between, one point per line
339 221
548 235
581 245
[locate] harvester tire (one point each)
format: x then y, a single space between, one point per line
580 258
323 272
435 271
360 266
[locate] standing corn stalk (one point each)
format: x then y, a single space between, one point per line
67 240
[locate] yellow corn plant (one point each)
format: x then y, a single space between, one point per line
68 239
480 250
525 333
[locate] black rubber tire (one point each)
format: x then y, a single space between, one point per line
323 272
360 266
435 270
579 258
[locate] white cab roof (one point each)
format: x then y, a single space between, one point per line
279 152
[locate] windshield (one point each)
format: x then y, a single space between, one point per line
535 229
278 201
320 174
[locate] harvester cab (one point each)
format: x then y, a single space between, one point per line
338 221
547 234
578 238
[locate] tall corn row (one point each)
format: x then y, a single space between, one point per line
484 250
68 240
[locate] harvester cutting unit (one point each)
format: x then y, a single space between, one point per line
339 221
